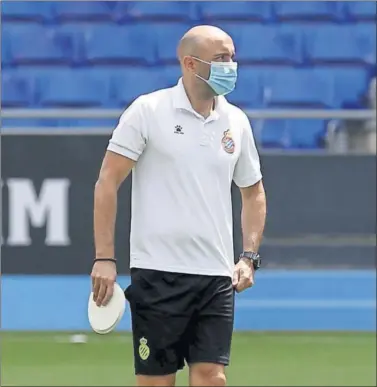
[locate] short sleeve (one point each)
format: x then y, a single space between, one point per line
247 171
129 137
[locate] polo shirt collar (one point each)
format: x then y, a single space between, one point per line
181 101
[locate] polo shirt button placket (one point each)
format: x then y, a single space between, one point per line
204 140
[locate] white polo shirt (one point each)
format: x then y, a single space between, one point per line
181 185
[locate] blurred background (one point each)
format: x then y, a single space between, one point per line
307 81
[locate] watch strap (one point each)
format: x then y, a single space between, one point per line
104 260
249 254
255 257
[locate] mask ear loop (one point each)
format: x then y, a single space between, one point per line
197 75
201 60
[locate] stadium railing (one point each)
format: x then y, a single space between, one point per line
74 113
340 134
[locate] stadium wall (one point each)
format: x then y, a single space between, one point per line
47 191
281 300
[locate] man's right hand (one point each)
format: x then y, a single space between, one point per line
103 278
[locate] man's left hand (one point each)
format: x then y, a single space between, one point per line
243 276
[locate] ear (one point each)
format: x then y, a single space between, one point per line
189 63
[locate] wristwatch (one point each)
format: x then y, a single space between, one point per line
254 257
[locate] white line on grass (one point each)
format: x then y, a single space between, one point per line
64 338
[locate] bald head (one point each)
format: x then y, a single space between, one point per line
199 39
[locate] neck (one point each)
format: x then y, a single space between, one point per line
202 104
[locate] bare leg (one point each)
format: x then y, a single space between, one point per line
151 381
207 374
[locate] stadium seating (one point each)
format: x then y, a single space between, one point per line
350 86
144 80
166 36
157 10
129 45
306 133
298 87
37 11
270 133
361 10
17 90
33 44
5 50
248 91
342 44
104 54
293 134
70 88
212 11
307 10
84 10
280 43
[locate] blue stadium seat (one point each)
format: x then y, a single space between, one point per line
168 36
109 43
361 10
280 44
235 10
350 86
171 75
307 10
305 133
256 125
248 91
340 44
37 11
158 10
76 32
298 87
83 10
128 85
5 49
270 133
16 90
290 134
37 44
74 88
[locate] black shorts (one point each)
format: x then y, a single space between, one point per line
178 317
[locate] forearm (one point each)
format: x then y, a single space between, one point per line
105 208
253 219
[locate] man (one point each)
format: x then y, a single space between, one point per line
185 145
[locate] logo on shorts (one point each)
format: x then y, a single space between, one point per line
228 142
144 350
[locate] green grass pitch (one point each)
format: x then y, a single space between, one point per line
258 359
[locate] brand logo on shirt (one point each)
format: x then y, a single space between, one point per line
228 142
178 129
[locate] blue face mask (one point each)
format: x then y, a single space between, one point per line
222 78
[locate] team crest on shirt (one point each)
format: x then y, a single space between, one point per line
144 350
228 142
